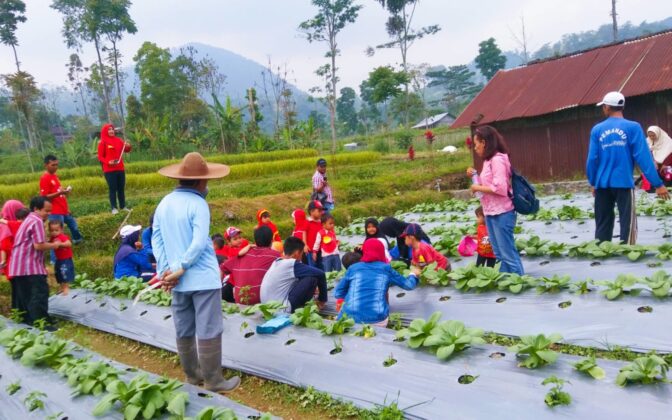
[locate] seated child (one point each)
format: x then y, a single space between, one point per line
218 244
300 223
313 227
327 244
236 246
485 254
422 252
264 219
372 230
64 267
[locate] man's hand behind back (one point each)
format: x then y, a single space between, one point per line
663 193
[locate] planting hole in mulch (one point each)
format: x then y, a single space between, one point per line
574 237
444 298
290 342
390 361
654 264
595 263
565 304
130 369
399 339
466 379
544 262
582 222
88 301
167 317
249 334
102 305
204 395
74 296
335 351
400 295
501 300
497 355
645 309
142 313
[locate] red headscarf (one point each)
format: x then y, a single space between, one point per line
271 225
9 213
373 251
300 223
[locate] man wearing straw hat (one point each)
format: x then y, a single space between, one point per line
187 265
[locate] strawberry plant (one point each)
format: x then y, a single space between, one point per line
589 367
450 337
419 330
645 370
556 396
516 283
307 317
33 400
660 283
553 284
143 398
615 289
536 349
88 377
338 327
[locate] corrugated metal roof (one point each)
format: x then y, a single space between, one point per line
432 120
635 67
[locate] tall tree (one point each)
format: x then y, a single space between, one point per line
347 114
254 117
457 85
331 19
11 13
490 58
383 84
401 32
614 20
274 83
24 95
76 77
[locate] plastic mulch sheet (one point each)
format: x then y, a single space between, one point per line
418 381
59 403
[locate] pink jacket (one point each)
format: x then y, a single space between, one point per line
496 174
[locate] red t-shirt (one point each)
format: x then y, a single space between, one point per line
229 251
50 184
62 253
484 245
248 272
312 229
426 254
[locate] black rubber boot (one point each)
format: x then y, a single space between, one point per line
210 359
186 349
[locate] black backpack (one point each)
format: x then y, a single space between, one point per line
523 198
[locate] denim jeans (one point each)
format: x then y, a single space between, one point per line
331 263
328 207
500 230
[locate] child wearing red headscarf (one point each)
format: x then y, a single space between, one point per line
111 151
300 223
13 213
264 219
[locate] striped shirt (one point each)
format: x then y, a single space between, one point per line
26 260
318 181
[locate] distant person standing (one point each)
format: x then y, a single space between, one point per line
111 151
616 144
50 187
321 188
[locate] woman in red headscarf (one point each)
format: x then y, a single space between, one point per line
365 284
111 151
264 219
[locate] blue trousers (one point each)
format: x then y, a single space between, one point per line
331 263
500 230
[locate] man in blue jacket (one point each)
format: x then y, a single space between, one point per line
616 144
187 265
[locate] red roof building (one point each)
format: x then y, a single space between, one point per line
545 110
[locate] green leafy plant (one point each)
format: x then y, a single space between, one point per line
88 377
367 331
230 308
476 278
660 283
143 398
450 337
665 251
589 367
536 349
13 388
46 352
419 330
215 413
556 396
615 289
581 287
307 317
434 276
648 369
516 283
395 321
553 284
270 308
399 266
33 400
249 310
338 327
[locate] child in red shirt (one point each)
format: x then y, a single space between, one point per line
300 223
485 254
236 246
64 267
423 253
313 227
327 244
13 221
264 219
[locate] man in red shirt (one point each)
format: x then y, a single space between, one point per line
50 187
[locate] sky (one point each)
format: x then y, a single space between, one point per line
258 29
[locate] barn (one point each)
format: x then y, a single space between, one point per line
545 110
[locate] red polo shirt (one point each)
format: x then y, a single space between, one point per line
50 184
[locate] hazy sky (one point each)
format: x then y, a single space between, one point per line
260 28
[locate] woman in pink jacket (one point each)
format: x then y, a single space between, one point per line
495 186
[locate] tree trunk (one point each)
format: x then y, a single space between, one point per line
106 92
332 100
81 95
121 97
614 21
16 58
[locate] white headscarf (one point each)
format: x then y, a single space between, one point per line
662 147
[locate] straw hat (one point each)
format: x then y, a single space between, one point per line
194 166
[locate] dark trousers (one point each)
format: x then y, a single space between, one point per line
116 183
302 292
624 199
32 297
227 293
489 262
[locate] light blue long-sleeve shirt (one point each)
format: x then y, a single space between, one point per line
181 239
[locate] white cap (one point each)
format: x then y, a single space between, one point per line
129 229
613 99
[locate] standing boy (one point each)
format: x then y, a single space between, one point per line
50 187
326 244
616 144
64 267
313 227
29 276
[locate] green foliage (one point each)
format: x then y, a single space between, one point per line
556 396
480 279
490 58
215 413
268 309
338 327
451 337
433 275
516 283
665 251
404 139
645 370
535 246
660 283
456 83
383 84
589 367
307 317
88 377
553 284
13 388
536 350
345 109
615 289
230 308
33 400
12 12
419 330
367 331
581 287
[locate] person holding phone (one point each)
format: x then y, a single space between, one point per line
111 151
